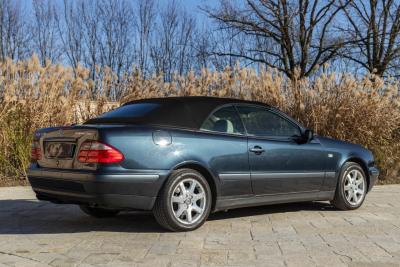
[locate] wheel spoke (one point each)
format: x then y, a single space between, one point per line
360 191
347 187
349 178
349 195
180 210
355 197
197 209
198 196
189 215
183 188
192 187
178 199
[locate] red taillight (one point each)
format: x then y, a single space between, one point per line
36 153
97 152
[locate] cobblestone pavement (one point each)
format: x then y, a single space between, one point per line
36 233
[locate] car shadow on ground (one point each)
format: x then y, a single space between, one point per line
33 217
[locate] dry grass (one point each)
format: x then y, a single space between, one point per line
361 110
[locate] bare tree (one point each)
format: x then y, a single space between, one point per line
116 20
230 43
163 52
89 11
44 30
295 37
173 49
146 17
70 28
375 26
202 45
186 31
13 32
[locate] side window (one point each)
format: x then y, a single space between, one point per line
224 120
262 122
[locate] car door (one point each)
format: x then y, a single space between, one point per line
224 143
279 163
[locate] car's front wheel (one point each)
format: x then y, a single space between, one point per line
184 202
351 188
98 212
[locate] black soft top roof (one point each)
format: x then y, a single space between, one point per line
185 112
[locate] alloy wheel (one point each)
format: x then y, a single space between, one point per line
188 201
354 187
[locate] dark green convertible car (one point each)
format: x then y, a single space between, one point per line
184 157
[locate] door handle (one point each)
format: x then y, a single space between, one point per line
257 150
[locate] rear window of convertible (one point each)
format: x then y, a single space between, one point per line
163 113
130 111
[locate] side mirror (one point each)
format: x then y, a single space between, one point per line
308 135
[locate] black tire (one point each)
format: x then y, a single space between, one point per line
340 201
98 212
163 208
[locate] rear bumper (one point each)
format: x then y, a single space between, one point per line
136 190
373 176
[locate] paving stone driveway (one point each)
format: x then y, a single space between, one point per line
36 233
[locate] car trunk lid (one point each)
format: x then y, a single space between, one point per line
60 146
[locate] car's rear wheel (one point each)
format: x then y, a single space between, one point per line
98 212
184 202
351 188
